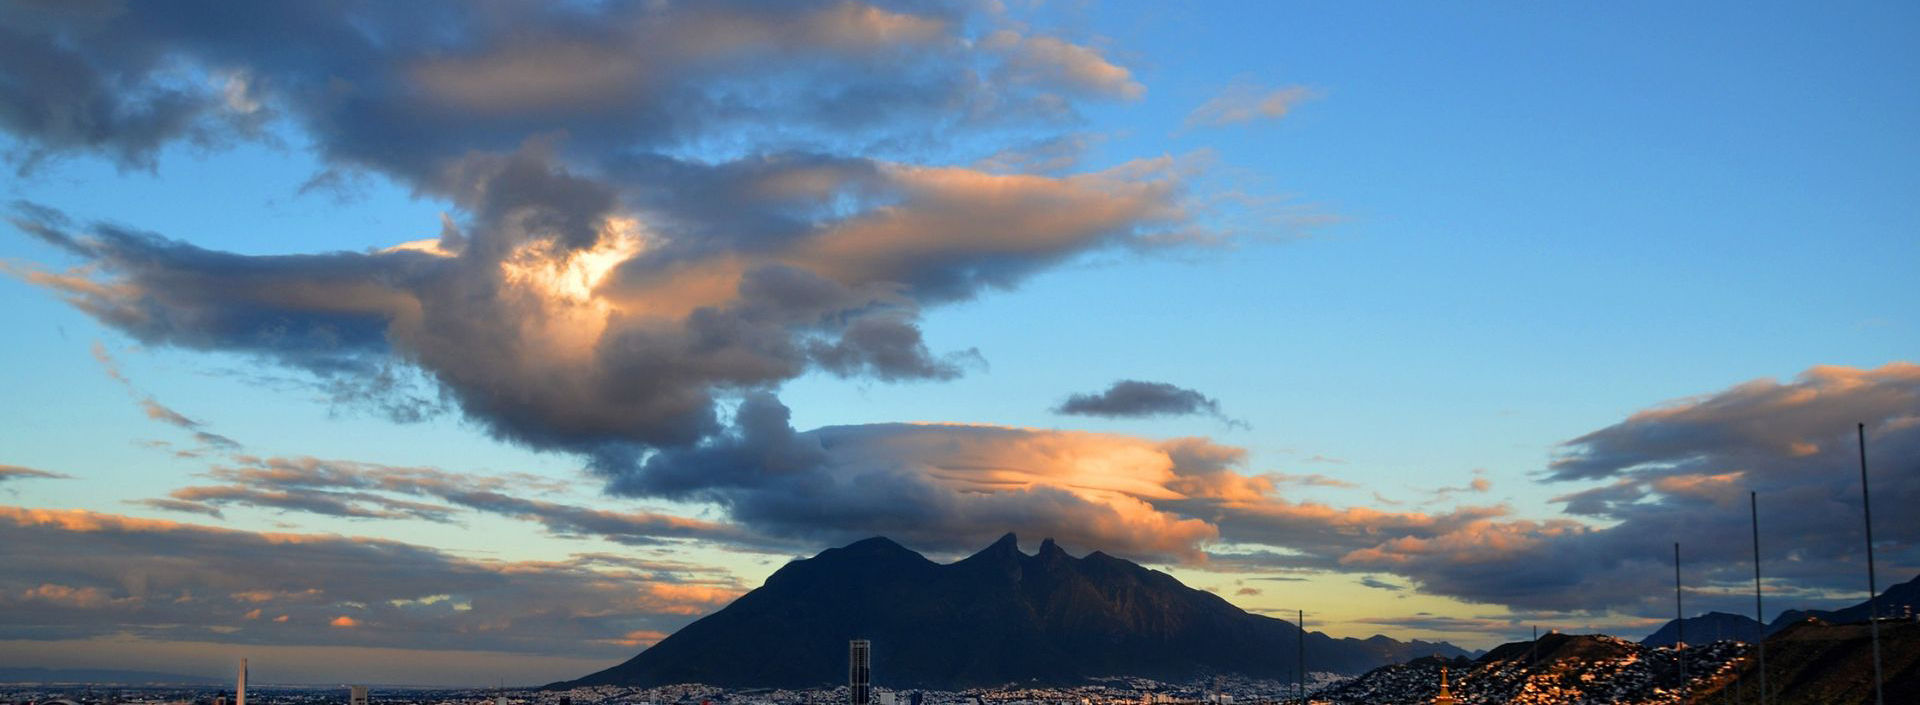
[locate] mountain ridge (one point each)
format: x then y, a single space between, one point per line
1895 600
995 617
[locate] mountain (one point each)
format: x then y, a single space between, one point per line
98 676
1707 628
1902 599
999 616
1899 600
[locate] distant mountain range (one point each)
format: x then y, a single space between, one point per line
1899 599
997 617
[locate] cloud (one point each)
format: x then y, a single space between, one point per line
620 77
1806 421
77 574
373 491
938 486
1039 59
567 329
10 473
1244 102
1130 398
657 214
1681 472
208 440
1378 584
950 487
1310 480
1503 629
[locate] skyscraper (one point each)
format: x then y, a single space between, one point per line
356 695
240 688
859 672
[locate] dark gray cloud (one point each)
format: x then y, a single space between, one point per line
10 473
1130 398
401 88
650 217
1376 583
76 574
944 488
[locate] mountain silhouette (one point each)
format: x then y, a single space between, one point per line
1707 628
997 617
1896 601
1899 600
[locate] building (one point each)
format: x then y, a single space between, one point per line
356 695
240 687
1444 697
859 672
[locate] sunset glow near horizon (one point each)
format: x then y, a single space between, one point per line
448 343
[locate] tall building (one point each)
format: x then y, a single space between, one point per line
1445 697
859 672
240 688
356 695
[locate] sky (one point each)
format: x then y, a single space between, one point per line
455 343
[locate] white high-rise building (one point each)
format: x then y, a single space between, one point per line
356 695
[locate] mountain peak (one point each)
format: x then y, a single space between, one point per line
1006 545
877 544
1001 616
1049 549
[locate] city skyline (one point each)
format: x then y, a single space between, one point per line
509 339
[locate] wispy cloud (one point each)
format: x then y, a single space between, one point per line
208 440
1246 101
9 473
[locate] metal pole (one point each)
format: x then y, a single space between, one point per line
1759 614
1873 612
1679 621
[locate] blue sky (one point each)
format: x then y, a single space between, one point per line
1476 244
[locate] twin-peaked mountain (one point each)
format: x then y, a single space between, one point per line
997 617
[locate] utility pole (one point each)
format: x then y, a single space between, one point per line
1759 614
1873 611
1301 616
1679 621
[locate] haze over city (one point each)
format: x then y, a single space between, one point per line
451 343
